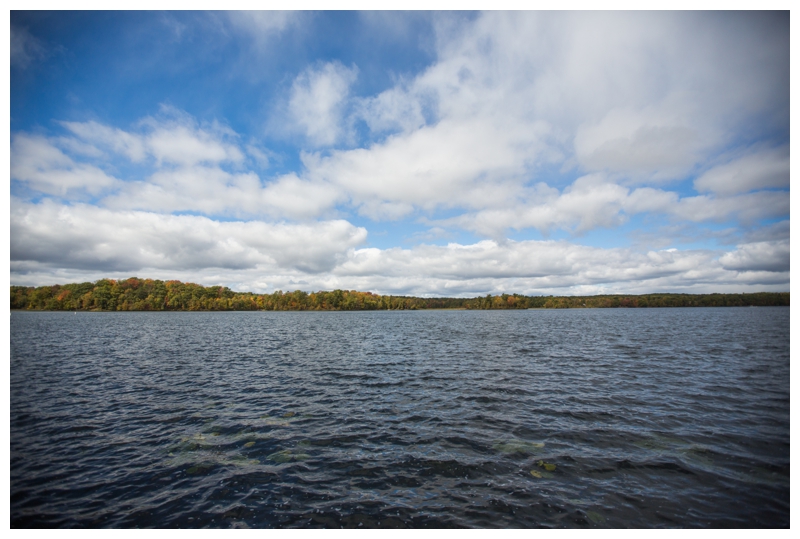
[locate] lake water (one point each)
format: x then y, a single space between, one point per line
626 417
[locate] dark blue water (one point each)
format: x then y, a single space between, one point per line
627 418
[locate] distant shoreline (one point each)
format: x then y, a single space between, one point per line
134 294
452 309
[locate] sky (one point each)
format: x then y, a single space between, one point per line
415 153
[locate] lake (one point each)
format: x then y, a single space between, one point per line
499 419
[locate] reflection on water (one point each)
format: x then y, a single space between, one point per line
583 418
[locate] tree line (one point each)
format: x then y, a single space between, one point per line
136 294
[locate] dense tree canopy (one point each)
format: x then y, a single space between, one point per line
136 294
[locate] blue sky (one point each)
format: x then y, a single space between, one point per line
425 153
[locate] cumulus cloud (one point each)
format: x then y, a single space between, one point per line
87 237
42 166
747 208
772 232
761 170
326 255
537 267
635 95
188 160
260 155
214 191
392 110
173 137
130 145
771 256
182 145
317 100
451 164
592 201
638 144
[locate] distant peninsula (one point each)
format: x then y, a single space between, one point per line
136 294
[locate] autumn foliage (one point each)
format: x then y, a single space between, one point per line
136 294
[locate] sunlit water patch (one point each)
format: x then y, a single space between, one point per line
580 418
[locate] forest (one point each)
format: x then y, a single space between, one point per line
137 294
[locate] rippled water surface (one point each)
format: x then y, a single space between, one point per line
577 418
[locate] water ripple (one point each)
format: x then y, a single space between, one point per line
581 418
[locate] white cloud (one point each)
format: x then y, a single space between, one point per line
761 170
770 256
85 240
775 231
87 237
182 146
78 147
260 155
540 267
392 110
192 188
261 26
214 191
38 163
638 144
747 208
454 163
317 100
639 96
648 199
176 138
594 202
121 142
188 173
293 197
172 138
